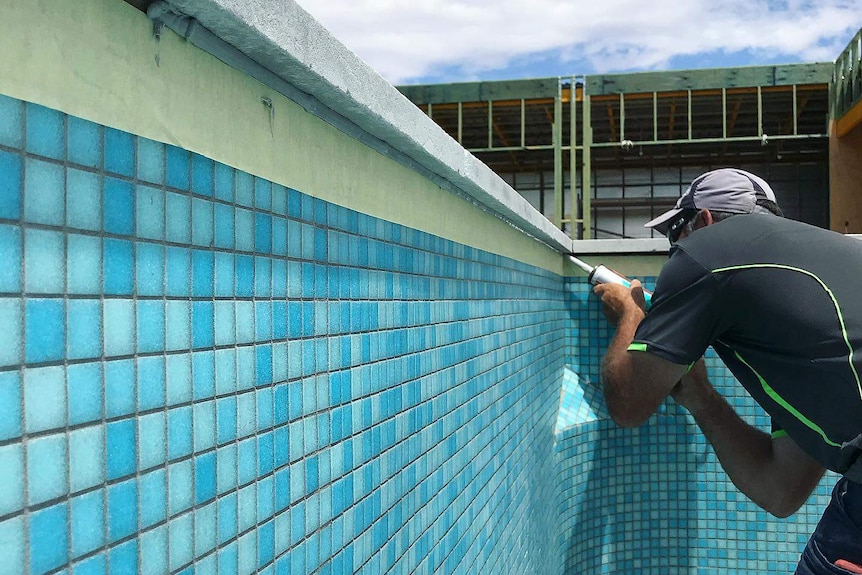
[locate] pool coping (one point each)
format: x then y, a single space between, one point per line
288 42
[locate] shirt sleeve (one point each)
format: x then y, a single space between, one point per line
686 315
777 430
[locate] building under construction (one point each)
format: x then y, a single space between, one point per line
635 141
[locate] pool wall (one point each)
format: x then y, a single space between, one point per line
237 340
239 336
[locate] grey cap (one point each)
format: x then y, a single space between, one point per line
727 190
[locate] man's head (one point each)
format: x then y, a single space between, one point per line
713 196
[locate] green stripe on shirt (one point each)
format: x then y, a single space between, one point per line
783 403
637 347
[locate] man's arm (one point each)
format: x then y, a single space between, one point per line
774 473
635 383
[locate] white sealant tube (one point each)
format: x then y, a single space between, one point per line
605 275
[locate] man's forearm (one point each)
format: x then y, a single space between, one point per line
635 383
744 452
626 328
617 376
778 484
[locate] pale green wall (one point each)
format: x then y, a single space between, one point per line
98 59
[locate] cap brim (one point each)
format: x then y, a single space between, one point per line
660 223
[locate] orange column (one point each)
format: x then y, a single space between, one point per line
845 180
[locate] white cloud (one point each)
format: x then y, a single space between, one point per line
406 39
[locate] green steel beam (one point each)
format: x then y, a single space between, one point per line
558 157
654 142
515 148
483 91
622 117
586 170
795 112
760 111
573 167
460 122
491 124
688 95
711 140
743 77
523 124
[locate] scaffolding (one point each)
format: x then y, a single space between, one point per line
633 141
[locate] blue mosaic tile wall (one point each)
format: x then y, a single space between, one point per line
205 372
654 500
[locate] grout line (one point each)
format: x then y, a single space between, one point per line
23 352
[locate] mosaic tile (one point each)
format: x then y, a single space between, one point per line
12 479
44 262
84 142
150 213
44 193
151 161
177 167
11 122
87 524
46 469
45 131
202 175
49 539
119 152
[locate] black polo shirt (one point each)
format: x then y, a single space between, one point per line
781 303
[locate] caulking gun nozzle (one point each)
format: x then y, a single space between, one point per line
583 265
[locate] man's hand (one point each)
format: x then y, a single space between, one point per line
617 300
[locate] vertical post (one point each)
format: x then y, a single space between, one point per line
759 113
724 112
490 124
573 157
586 154
460 123
523 124
430 110
654 117
542 192
689 114
795 112
652 193
558 155
622 117
836 77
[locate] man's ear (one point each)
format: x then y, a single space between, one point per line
705 216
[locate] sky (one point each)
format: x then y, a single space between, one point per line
443 41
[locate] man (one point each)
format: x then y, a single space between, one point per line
781 303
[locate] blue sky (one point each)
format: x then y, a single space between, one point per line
438 41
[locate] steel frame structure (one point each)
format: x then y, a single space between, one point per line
575 124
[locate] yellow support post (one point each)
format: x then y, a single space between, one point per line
558 156
586 187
